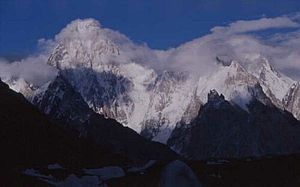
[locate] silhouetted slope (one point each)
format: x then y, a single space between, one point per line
224 130
29 139
66 106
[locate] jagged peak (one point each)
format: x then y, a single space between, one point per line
89 31
233 67
274 83
85 43
235 71
80 28
214 99
259 63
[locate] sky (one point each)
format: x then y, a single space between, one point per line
184 36
161 24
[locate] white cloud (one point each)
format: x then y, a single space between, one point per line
243 26
32 69
283 50
197 57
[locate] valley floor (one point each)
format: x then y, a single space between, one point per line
283 171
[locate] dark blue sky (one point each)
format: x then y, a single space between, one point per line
160 23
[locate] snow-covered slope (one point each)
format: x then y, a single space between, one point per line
292 100
233 81
170 96
114 83
96 62
113 76
274 84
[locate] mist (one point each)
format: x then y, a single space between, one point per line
235 41
238 41
32 69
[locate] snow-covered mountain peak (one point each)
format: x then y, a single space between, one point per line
273 83
257 64
80 28
232 81
235 68
143 89
83 25
80 52
84 43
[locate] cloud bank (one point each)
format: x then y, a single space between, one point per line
197 57
236 43
243 26
32 69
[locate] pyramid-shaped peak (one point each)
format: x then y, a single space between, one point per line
82 25
236 67
84 29
213 95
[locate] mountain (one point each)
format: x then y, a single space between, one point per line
234 82
66 106
29 139
274 84
113 83
169 101
224 130
292 100
103 71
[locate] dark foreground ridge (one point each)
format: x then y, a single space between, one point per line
223 130
29 139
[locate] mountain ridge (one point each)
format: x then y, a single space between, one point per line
114 78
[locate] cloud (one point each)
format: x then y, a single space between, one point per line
233 42
243 26
32 69
197 57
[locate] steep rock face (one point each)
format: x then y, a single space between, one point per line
94 61
224 130
234 82
292 100
171 94
111 83
110 73
274 84
29 138
63 104
82 43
